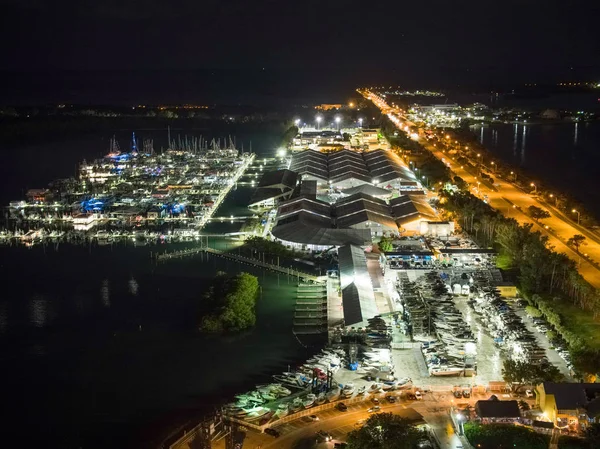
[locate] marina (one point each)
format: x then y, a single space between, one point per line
139 194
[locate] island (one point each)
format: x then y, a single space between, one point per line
229 304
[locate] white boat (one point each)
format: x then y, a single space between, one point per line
280 390
282 410
447 371
256 413
348 390
296 405
375 388
333 394
309 401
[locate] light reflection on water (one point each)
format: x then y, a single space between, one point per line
3 317
133 286
38 311
105 293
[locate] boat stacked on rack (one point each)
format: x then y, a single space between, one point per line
448 347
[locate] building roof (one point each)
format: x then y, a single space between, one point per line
358 299
310 230
284 178
467 251
367 189
367 167
264 194
570 396
493 408
273 185
310 214
407 208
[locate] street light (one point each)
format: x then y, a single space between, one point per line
319 118
555 199
360 120
297 121
338 120
575 211
514 175
534 187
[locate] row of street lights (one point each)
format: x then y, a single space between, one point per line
319 119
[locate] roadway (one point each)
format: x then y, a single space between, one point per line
505 194
302 433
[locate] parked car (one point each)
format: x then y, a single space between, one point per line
457 394
466 394
391 399
418 395
313 417
324 435
342 407
375 401
374 409
272 432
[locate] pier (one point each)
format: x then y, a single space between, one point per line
238 258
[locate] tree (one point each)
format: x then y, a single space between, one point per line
537 213
519 374
460 183
576 242
592 435
386 431
229 304
533 312
504 436
385 245
524 405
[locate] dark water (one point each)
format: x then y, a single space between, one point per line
99 347
565 156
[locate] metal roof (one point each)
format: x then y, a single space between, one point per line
358 299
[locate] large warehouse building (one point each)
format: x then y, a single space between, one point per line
356 219
346 169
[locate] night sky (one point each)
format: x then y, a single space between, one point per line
353 43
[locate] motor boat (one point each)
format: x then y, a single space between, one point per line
309 401
282 410
375 388
348 390
256 413
333 394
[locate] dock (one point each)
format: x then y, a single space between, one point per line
238 258
310 314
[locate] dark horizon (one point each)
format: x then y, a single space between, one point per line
276 87
186 50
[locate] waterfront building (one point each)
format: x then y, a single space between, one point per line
569 404
308 222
